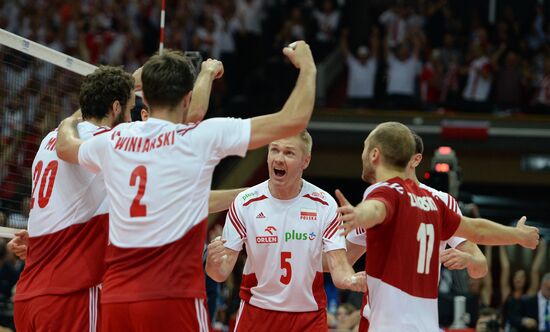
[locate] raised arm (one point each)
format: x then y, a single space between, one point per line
295 114
220 260
504 273
68 141
535 268
220 200
210 70
342 273
483 231
466 255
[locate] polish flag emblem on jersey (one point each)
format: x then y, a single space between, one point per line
308 214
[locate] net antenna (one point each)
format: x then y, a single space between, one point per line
162 16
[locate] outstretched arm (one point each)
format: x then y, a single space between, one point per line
220 200
483 231
366 214
220 260
342 273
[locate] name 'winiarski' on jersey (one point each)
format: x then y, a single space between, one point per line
143 144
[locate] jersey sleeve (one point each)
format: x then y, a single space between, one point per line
358 236
234 230
332 237
455 241
92 151
218 138
450 223
387 196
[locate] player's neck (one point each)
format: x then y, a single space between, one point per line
167 115
384 173
285 192
105 122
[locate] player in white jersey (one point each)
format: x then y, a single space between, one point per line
67 231
158 175
286 224
403 223
462 253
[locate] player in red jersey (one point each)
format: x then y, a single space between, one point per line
286 224
403 223
67 235
158 175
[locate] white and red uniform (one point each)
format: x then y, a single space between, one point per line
158 176
402 268
68 229
284 242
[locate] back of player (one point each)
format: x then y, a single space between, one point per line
402 268
158 176
68 225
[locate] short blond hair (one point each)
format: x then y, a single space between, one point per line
306 139
396 144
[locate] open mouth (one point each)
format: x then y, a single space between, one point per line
279 172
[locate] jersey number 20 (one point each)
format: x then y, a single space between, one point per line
46 185
425 236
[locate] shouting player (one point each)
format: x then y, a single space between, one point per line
403 223
158 175
286 224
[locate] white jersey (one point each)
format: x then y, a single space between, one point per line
59 184
158 177
284 242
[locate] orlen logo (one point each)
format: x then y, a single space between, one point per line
289 236
271 238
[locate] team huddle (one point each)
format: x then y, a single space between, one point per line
119 212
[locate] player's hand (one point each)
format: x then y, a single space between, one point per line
348 214
356 282
216 251
19 244
212 66
300 55
454 259
529 234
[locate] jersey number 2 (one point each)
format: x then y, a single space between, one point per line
137 209
46 185
285 265
425 236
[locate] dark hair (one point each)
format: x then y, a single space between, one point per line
487 312
166 79
396 144
102 88
419 144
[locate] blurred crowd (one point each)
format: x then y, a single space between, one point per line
433 55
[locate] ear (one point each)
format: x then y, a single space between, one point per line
116 108
416 160
144 115
307 160
374 155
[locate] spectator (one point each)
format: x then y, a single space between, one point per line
480 77
346 319
403 68
509 84
327 20
393 20
431 80
487 321
206 38
20 220
362 69
542 97
3 219
534 312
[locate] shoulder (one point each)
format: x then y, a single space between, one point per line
318 195
252 195
391 186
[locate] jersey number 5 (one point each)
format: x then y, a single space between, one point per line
137 209
46 185
285 265
425 236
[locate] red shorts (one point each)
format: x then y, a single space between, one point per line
252 318
76 312
363 325
170 315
